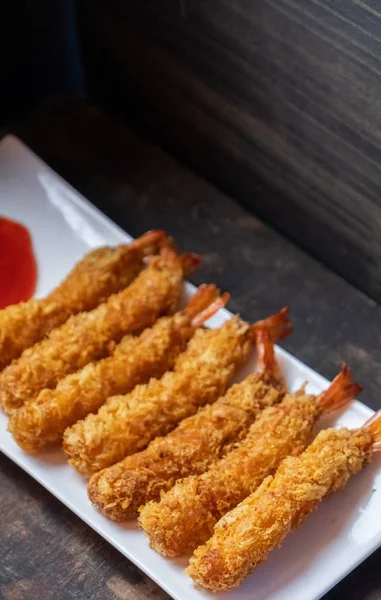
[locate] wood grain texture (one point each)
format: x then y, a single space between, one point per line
45 551
275 101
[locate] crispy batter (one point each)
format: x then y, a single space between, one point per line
42 421
208 496
126 424
191 448
186 515
99 274
246 535
86 336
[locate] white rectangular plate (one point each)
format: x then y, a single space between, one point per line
334 540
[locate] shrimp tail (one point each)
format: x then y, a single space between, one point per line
210 310
340 393
265 351
190 262
149 241
374 426
279 325
201 299
169 253
168 242
268 365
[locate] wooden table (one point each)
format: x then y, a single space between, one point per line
47 553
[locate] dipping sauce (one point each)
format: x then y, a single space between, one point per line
18 267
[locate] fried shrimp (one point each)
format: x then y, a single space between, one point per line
126 424
192 447
246 535
41 422
278 432
86 337
99 274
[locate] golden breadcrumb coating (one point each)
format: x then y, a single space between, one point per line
86 336
99 274
246 535
126 424
42 421
186 514
189 449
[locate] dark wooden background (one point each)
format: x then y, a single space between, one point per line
278 102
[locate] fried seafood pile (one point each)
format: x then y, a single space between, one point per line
142 398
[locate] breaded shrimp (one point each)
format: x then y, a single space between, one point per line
41 422
279 431
126 424
192 447
102 272
246 535
86 337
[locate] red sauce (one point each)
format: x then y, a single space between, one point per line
18 268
